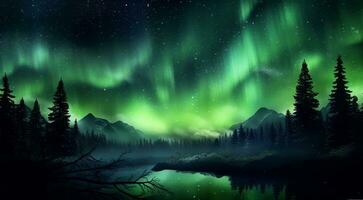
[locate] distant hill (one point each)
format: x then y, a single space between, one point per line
118 130
264 117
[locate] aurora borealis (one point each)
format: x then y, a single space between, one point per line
177 66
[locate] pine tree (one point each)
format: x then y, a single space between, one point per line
234 138
355 106
58 129
36 131
7 128
356 121
21 116
35 120
290 132
340 109
306 114
74 139
21 127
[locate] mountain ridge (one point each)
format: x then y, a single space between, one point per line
261 118
118 130
264 117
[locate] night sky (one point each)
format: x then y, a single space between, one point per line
177 66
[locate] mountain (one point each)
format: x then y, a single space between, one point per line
263 117
118 130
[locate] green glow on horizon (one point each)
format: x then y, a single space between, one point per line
212 69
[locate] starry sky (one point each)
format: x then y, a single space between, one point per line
177 66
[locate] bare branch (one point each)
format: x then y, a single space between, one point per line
109 166
80 158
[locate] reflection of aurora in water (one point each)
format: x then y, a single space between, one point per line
184 185
176 68
203 187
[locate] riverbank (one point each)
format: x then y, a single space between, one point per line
269 165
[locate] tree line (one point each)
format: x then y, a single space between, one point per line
32 152
25 134
305 128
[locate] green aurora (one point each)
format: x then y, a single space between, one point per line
178 67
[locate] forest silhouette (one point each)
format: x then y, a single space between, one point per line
54 159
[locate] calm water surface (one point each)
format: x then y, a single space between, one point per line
201 186
184 185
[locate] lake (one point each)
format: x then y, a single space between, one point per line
203 186
342 182
185 185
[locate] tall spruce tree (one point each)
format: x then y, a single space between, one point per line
7 127
36 131
306 114
288 128
35 120
21 120
21 116
58 133
74 139
357 120
340 109
290 132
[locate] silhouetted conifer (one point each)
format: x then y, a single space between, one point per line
74 139
340 109
234 138
36 131
21 120
7 128
58 134
290 136
306 114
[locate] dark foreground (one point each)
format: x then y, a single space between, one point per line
289 177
